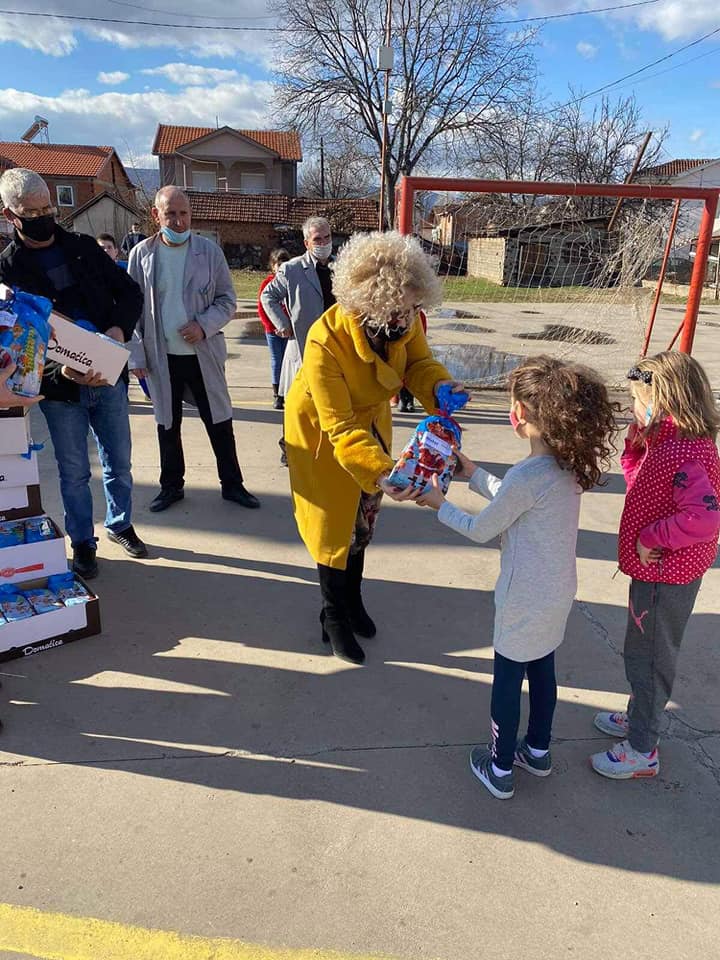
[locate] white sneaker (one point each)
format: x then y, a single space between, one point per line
622 762
613 724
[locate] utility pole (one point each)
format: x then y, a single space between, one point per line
629 178
322 168
385 63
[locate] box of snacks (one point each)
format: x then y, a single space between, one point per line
41 614
33 547
19 503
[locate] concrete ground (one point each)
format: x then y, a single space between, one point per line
204 767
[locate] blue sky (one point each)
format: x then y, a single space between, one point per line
112 83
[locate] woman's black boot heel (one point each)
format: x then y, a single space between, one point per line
336 629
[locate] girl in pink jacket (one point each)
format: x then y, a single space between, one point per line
668 539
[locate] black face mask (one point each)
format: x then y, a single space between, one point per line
37 228
394 333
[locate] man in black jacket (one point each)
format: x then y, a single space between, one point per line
131 239
85 285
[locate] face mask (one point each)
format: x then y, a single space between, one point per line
648 414
174 237
324 252
37 228
514 422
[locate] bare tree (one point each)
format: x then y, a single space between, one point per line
348 173
566 142
456 68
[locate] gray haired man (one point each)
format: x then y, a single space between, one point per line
303 285
300 293
179 345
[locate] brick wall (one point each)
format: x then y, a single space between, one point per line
486 258
245 244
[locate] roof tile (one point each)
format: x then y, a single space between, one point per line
57 159
673 168
169 138
356 214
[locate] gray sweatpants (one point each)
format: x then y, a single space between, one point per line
657 616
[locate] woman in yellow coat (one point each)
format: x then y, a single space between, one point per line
338 422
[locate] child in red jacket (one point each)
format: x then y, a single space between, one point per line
275 341
668 539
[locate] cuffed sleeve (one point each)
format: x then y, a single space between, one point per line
696 518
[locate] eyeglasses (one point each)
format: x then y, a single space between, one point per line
637 374
35 214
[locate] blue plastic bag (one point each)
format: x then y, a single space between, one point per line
24 335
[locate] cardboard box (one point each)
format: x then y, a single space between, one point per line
33 559
83 350
15 434
17 471
18 503
45 631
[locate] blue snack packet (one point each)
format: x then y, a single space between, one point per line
37 529
13 605
42 601
67 589
12 533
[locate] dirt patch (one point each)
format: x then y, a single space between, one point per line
463 328
559 332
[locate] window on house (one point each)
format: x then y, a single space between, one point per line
65 197
252 183
204 180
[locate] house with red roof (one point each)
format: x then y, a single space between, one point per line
227 160
75 173
242 186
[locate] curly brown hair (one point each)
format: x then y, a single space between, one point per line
569 404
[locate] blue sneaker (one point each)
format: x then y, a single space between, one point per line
538 766
481 766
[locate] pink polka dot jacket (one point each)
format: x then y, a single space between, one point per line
673 487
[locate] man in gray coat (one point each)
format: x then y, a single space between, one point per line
300 292
179 347
303 285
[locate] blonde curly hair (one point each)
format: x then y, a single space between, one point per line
374 272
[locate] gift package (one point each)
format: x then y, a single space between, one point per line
432 449
24 336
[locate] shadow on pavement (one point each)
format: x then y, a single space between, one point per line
202 696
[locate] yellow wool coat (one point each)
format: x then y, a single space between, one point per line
338 400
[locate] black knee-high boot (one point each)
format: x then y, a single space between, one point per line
334 617
360 620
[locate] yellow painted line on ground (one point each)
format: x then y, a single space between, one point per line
56 936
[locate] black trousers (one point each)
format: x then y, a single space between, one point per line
185 373
508 676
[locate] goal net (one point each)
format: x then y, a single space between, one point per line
571 274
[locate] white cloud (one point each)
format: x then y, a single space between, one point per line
190 74
112 78
696 135
672 19
77 116
586 50
191 32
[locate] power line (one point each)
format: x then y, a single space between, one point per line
578 13
635 73
276 29
189 16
